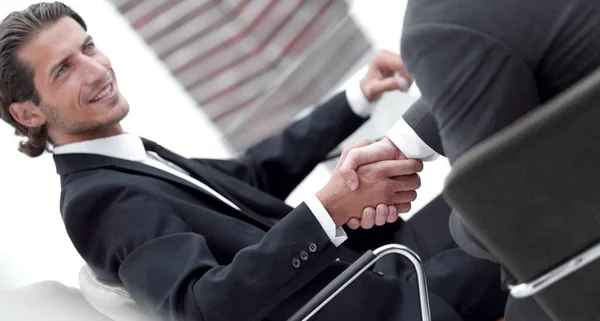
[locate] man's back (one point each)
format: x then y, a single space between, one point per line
496 60
481 65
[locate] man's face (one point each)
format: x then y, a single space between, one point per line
74 80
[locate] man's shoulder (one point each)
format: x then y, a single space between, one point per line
512 22
102 189
96 181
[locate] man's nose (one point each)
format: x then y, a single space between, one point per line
94 71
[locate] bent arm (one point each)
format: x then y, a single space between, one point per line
473 84
171 270
279 163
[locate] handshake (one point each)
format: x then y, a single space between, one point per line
372 183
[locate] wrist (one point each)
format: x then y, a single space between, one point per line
390 143
364 91
330 202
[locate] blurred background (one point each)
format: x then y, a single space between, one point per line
205 78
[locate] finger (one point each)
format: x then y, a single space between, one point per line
404 197
349 174
350 177
403 83
378 87
389 60
368 218
381 214
407 182
392 214
403 208
358 157
400 167
347 150
353 223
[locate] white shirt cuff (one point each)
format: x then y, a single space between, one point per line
359 104
336 235
407 141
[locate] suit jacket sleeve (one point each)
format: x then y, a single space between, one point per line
420 119
279 163
473 84
171 270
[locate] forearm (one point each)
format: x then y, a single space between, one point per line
192 285
278 164
286 159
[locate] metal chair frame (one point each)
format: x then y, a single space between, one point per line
362 264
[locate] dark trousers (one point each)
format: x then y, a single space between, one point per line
470 285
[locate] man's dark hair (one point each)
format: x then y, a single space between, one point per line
16 78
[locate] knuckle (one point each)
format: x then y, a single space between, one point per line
412 195
362 171
417 181
404 208
401 185
414 166
367 142
390 197
413 182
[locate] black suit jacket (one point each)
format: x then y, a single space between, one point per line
185 255
481 65
481 69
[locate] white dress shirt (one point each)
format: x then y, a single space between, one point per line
131 148
401 134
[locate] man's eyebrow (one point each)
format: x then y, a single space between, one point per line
85 42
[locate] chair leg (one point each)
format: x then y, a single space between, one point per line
357 268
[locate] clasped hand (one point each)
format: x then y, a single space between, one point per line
388 180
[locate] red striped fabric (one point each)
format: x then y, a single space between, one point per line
252 65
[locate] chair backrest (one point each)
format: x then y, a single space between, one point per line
111 299
531 195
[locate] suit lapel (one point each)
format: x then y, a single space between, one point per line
206 179
71 163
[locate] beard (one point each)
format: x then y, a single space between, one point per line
73 126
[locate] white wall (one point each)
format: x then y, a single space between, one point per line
33 243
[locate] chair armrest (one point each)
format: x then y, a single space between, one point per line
355 270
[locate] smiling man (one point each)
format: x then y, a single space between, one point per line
205 239
81 99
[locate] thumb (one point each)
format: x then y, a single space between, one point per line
383 85
354 159
350 177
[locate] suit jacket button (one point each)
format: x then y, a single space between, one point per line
303 255
296 262
312 247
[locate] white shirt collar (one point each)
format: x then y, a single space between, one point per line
124 146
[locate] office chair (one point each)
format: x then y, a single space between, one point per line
531 195
113 300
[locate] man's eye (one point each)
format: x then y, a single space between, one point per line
89 47
61 70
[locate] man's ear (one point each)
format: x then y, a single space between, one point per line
27 114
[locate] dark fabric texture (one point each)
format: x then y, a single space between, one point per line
481 65
481 69
420 119
185 255
531 195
